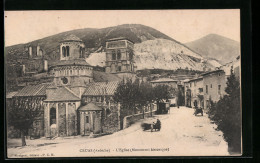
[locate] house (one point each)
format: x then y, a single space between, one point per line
165 81
199 90
214 84
173 85
194 92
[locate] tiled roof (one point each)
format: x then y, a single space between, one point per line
101 88
72 38
33 90
212 72
99 76
90 107
198 78
10 94
186 80
163 80
61 94
70 62
119 38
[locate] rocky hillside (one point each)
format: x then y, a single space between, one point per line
217 47
153 49
93 38
160 54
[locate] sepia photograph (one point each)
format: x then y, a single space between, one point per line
123 83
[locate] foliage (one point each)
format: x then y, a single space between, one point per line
161 92
22 115
138 94
226 114
126 94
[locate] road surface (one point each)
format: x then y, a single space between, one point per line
182 134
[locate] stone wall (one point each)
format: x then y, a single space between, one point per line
128 120
62 119
72 127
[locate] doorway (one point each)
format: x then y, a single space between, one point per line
87 129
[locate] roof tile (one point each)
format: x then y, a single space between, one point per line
33 90
101 88
61 94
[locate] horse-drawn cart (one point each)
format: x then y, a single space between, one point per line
152 126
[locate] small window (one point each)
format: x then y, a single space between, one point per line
218 74
108 111
64 51
210 85
118 54
52 116
68 51
119 68
219 88
113 55
131 55
87 119
207 89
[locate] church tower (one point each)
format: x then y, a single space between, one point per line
72 70
71 47
120 57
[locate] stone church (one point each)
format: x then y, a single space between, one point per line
77 102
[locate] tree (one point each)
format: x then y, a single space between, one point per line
21 116
126 93
160 93
226 114
145 95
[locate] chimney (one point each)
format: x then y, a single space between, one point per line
38 50
30 51
23 69
45 65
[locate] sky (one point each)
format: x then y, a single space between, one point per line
182 25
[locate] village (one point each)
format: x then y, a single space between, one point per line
77 102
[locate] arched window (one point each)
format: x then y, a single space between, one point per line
119 68
52 116
40 52
113 55
81 52
64 51
118 54
131 55
68 51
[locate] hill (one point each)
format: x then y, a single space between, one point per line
92 38
217 47
159 54
153 49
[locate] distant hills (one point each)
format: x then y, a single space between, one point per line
153 49
94 38
216 47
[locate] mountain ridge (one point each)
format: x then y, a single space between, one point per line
94 39
217 47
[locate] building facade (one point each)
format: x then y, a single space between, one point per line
120 57
73 103
214 84
208 86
